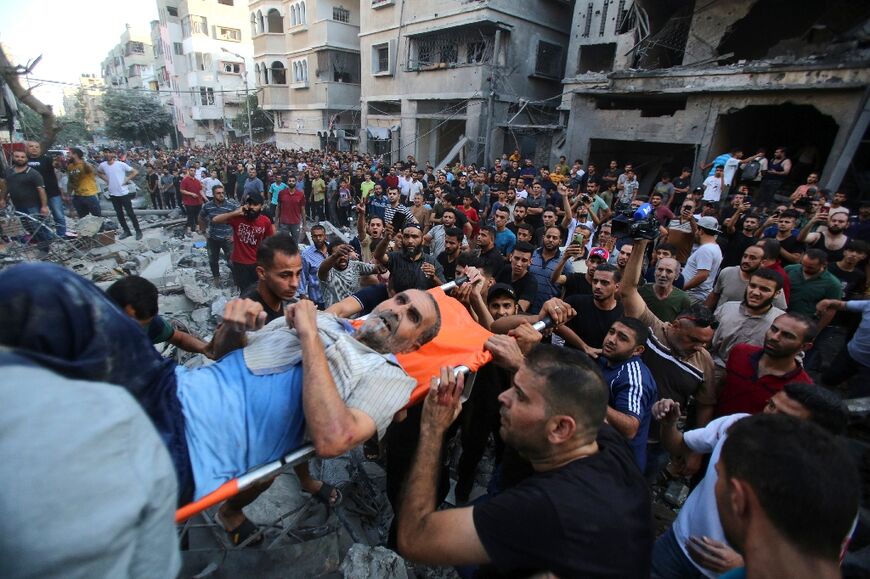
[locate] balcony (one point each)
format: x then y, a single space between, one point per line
277 96
324 32
206 112
270 43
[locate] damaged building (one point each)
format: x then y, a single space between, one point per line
671 83
461 80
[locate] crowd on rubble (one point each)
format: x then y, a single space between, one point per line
702 334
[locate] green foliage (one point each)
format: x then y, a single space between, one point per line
30 122
260 121
72 131
135 117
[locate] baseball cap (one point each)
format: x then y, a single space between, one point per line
600 253
709 223
501 289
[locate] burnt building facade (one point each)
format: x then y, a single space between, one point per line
671 83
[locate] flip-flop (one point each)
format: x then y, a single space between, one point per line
324 495
244 531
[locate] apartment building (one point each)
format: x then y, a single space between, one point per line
307 68
130 63
85 100
457 79
671 84
205 66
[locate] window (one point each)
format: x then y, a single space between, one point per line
192 24
206 96
200 61
172 11
381 61
230 34
300 71
177 48
474 52
232 67
297 14
340 14
549 60
596 58
135 48
275 21
279 75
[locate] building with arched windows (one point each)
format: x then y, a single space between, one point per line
307 69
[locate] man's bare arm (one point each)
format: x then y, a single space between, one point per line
625 424
450 535
632 303
334 428
240 316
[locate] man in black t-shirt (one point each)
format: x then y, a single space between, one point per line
45 166
450 256
584 514
595 313
279 272
517 275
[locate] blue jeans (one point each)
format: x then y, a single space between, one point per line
55 205
87 205
669 561
65 323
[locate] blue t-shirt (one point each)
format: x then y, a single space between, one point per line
505 241
720 160
275 190
236 420
633 391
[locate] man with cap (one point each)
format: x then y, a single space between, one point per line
250 227
501 301
578 283
703 264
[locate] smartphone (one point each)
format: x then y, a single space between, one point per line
398 221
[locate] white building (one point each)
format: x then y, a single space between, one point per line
308 68
205 59
130 63
85 100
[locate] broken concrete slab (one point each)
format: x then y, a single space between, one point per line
89 225
201 315
363 562
159 270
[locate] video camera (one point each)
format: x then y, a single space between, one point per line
640 223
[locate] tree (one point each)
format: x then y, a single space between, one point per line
135 117
10 73
260 120
30 123
72 131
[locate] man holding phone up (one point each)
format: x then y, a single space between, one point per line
411 254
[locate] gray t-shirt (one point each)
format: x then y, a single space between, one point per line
89 489
731 288
22 187
707 257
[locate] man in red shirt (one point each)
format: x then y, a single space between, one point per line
250 227
471 213
754 374
291 211
192 197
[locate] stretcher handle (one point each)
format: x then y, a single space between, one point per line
454 284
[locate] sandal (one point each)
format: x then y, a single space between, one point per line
324 495
243 532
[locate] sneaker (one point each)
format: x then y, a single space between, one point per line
138 235
125 235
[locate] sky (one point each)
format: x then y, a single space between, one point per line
73 37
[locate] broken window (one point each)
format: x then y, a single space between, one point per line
549 60
384 107
596 58
135 48
338 66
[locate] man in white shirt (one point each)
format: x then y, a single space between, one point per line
117 175
714 185
415 187
703 265
209 183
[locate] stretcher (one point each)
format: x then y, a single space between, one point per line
459 343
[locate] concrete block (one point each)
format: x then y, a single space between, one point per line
158 270
363 562
201 315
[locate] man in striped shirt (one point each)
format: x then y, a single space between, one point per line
632 386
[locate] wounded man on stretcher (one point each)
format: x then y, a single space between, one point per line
308 376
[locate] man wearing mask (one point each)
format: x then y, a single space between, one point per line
250 227
44 165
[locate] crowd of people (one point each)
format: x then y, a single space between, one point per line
706 334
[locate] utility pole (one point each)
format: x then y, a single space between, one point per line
244 74
490 113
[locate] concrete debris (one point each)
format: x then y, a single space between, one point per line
89 225
201 315
363 562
